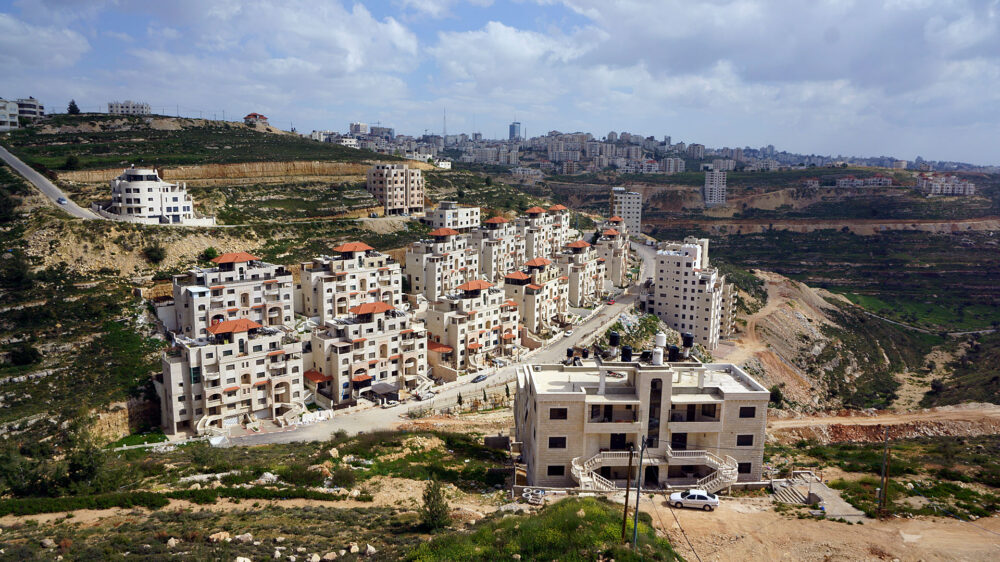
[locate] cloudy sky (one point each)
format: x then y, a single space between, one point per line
853 77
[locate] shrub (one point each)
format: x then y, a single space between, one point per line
155 254
24 354
209 254
343 477
434 511
72 162
300 475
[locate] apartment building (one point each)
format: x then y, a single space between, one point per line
450 214
397 187
703 424
501 248
138 195
585 271
128 107
723 164
673 165
438 265
545 231
354 275
8 115
253 119
627 205
468 327
689 295
374 351
541 293
696 151
878 180
239 372
934 184
30 108
714 191
612 246
239 287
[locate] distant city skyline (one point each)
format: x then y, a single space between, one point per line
901 78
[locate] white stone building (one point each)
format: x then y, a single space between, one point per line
30 108
501 248
541 292
399 188
714 191
612 245
627 205
354 275
703 425
467 328
374 351
128 107
584 270
438 265
138 195
240 287
450 214
690 296
673 165
8 115
934 184
238 373
545 231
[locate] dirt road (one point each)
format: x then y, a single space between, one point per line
750 529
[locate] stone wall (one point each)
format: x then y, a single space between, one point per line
124 418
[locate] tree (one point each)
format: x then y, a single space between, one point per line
459 400
485 399
73 109
434 511
155 254
489 180
24 354
72 162
209 254
507 390
776 396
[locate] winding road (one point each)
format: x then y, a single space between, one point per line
47 188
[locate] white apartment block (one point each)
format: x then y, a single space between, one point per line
128 107
696 151
627 205
437 266
545 231
690 296
467 328
723 165
238 373
374 351
138 195
612 246
8 115
501 248
450 214
584 270
714 191
878 180
30 108
673 165
356 274
703 424
541 292
945 185
399 188
240 287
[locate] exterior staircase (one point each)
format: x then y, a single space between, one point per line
584 471
787 493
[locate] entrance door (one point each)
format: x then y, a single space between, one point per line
691 412
618 442
679 441
652 476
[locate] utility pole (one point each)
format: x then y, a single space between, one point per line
884 480
628 481
638 496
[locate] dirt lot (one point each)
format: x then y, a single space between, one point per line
749 529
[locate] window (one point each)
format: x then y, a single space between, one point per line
744 440
556 470
557 413
748 411
557 442
743 468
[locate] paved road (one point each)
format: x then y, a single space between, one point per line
376 419
45 186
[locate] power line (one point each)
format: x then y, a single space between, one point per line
671 508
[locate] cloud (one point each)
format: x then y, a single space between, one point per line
27 46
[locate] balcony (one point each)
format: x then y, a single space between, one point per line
682 422
620 422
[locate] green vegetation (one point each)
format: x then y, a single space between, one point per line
558 532
636 335
747 283
266 202
124 140
434 511
974 376
478 189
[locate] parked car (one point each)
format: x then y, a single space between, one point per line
390 403
479 378
569 332
373 215
611 301
694 498
62 201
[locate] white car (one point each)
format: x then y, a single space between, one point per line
390 403
569 332
694 498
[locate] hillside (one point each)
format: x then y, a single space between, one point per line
111 141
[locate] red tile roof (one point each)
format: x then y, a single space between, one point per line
260 383
534 286
371 308
233 326
510 303
276 352
535 211
230 389
616 218
438 347
353 247
538 262
475 345
519 275
578 244
235 257
361 378
558 208
317 377
509 336
611 232
444 232
477 285
496 220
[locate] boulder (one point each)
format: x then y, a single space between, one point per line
219 537
342 552
279 539
314 558
334 453
277 555
267 478
301 550
172 542
353 548
330 556
195 486
370 550
48 543
244 538
355 493
243 559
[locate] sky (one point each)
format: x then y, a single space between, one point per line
842 77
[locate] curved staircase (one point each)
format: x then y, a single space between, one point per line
584 471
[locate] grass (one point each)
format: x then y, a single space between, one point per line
154 436
197 142
557 532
